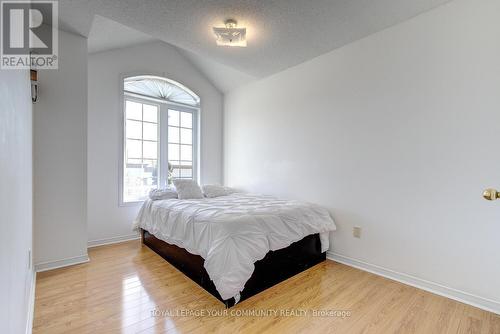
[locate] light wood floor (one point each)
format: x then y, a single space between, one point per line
124 283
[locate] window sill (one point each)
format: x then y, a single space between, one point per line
129 204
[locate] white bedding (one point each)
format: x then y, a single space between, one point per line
232 232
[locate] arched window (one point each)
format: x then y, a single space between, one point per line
160 135
160 88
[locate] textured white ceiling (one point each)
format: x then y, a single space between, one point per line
223 77
106 34
281 33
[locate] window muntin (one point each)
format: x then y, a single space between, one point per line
141 150
160 143
180 143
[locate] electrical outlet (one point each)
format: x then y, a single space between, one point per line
356 232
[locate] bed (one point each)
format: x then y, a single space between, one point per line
238 245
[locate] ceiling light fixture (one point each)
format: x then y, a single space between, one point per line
230 35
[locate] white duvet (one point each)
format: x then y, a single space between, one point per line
233 232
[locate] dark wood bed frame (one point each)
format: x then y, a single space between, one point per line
274 268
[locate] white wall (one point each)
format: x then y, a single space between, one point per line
106 220
60 157
16 191
397 133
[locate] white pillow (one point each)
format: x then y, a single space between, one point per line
165 193
187 189
215 190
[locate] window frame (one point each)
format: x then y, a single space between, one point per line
164 106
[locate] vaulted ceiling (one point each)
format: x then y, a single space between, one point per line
281 33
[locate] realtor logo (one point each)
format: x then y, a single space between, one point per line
29 34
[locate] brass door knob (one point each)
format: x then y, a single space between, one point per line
491 194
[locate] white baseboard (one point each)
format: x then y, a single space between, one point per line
44 266
114 240
439 289
31 304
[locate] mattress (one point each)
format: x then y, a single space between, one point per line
233 232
